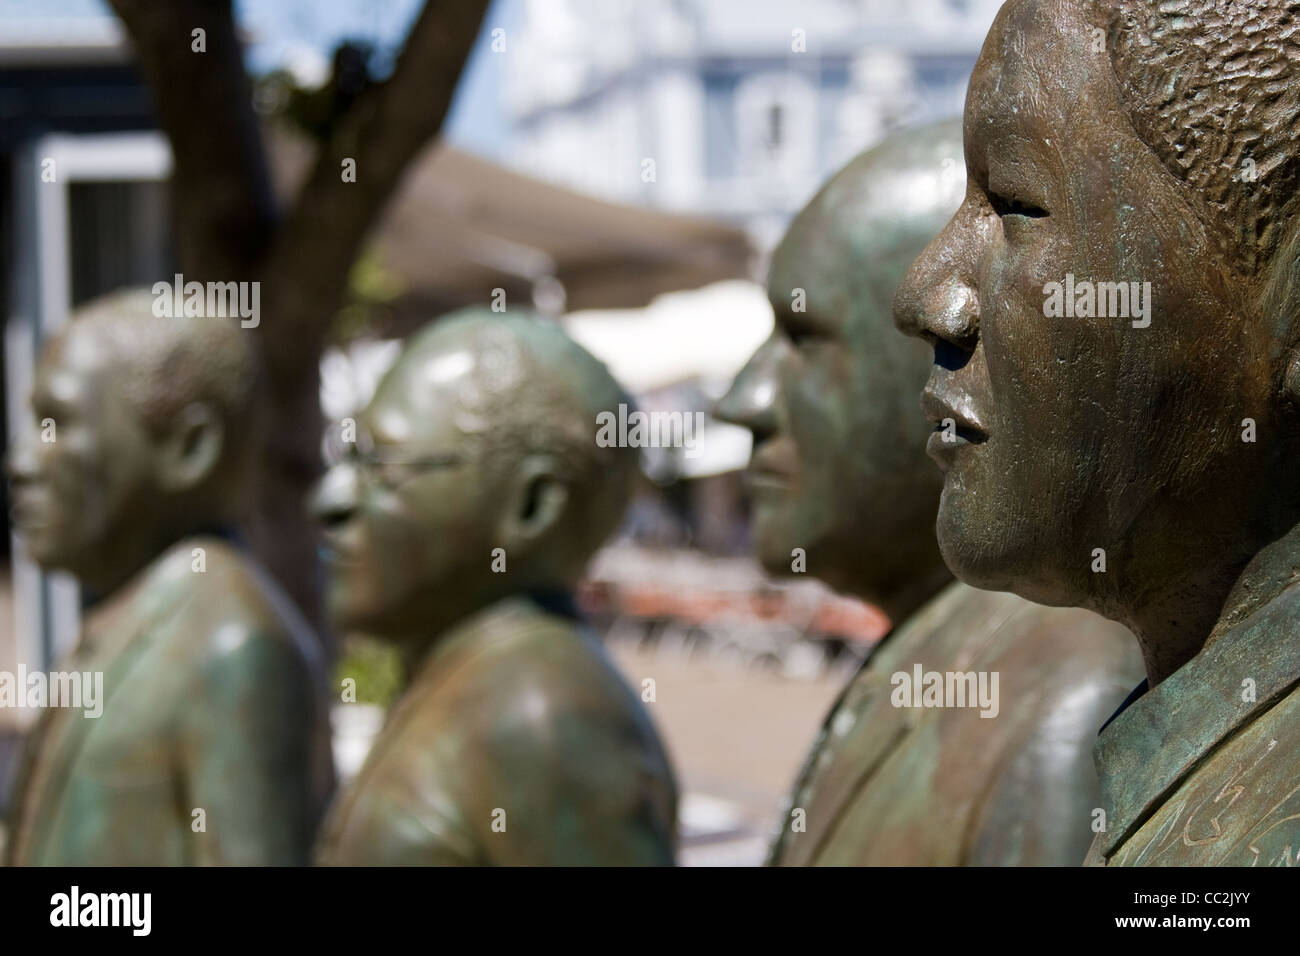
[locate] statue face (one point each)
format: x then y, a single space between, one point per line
408 520
84 484
812 401
1078 433
838 466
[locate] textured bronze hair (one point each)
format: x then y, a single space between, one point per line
160 365
163 364
1213 87
538 391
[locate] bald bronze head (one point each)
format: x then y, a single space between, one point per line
1112 311
475 474
145 430
838 466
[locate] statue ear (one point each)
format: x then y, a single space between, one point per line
191 448
538 499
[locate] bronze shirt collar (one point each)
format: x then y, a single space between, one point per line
1150 747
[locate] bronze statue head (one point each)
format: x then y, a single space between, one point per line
1112 311
144 434
838 467
474 474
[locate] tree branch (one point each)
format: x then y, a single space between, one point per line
305 275
222 205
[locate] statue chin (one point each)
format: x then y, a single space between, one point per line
1038 580
960 554
973 562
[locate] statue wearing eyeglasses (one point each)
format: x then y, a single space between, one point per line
457 528
211 745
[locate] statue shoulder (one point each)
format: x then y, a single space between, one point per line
536 666
537 686
236 621
520 727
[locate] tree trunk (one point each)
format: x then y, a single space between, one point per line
228 227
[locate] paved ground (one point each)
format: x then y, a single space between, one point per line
736 737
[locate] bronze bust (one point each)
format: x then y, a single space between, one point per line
213 743
1136 457
839 471
457 527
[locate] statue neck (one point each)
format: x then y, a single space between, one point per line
1174 627
125 557
417 649
1270 572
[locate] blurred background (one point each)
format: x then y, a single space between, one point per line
625 166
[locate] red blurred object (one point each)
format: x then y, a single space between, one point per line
634 583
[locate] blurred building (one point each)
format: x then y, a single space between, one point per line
735 108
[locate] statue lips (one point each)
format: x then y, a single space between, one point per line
944 444
25 512
768 470
335 552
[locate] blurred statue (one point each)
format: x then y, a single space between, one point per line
1113 310
213 742
473 496
1001 773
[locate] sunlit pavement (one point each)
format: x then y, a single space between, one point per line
737 737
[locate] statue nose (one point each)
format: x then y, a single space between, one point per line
937 308
335 497
751 400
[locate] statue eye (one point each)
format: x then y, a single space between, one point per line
1008 206
800 337
801 332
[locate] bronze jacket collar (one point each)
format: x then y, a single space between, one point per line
1153 745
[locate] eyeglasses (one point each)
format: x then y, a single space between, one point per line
390 466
